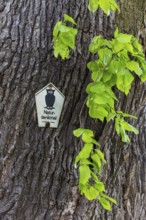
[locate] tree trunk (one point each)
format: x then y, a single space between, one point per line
38 180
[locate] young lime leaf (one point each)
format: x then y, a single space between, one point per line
63 39
96 160
137 46
129 127
85 162
97 87
105 203
117 124
105 55
134 66
78 132
95 177
107 76
124 38
124 80
143 77
57 28
101 155
114 5
93 5
91 193
110 116
68 18
105 6
100 99
88 132
92 66
96 74
99 186
64 28
68 39
124 136
99 112
109 198
86 138
116 32
84 153
125 115
60 49
85 174
95 142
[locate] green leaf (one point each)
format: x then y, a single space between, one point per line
105 6
97 87
95 75
68 18
101 99
64 28
95 142
91 193
95 177
99 186
129 127
116 32
114 5
68 39
125 115
60 49
93 66
117 46
57 28
134 66
110 116
124 38
101 155
86 138
93 5
84 153
143 76
109 198
107 75
124 80
64 38
88 132
85 162
124 136
105 55
136 44
117 124
85 174
78 132
105 203
96 160
98 112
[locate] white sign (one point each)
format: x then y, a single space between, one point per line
49 103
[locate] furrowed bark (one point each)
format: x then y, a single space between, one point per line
38 180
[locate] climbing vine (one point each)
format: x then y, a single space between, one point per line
105 5
64 37
118 61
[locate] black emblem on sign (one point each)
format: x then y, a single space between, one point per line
50 98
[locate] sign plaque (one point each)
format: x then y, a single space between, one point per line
49 103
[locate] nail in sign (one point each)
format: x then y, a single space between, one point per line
49 103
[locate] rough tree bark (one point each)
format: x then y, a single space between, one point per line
37 176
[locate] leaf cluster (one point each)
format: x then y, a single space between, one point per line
105 5
64 37
118 61
90 161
